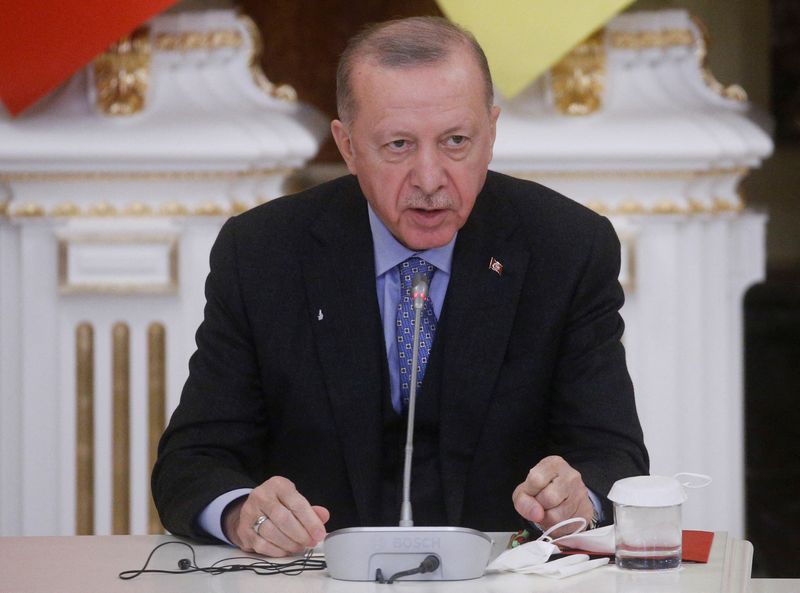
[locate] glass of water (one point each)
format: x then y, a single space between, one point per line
647 522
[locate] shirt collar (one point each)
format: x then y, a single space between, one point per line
389 252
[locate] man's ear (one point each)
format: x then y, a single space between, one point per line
494 113
341 135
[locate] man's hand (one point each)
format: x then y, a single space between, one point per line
292 523
552 492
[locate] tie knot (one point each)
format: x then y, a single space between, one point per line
412 266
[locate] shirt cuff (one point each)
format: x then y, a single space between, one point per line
598 506
210 518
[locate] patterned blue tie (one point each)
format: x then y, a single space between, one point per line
405 326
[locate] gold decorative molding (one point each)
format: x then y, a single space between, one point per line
122 73
195 175
733 92
120 372
687 174
666 207
284 92
66 209
27 210
3 209
678 206
156 407
135 209
211 209
666 38
84 429
641 40
173 209
577 81
198 40
102 209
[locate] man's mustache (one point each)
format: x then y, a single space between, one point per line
439 200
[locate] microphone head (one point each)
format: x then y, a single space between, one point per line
419 289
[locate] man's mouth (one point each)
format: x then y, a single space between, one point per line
431 215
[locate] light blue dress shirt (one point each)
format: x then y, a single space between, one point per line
389 252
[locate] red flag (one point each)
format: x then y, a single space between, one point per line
44 42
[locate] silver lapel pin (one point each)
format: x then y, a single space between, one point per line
320 316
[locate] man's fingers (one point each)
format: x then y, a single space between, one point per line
542 474
323 513
271 533
527 505
553 491
301 521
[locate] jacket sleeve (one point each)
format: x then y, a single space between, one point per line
594 424
214 439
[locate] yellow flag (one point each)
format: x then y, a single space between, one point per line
523 38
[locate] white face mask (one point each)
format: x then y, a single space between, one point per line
532 558
599 541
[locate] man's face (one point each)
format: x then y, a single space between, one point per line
420 144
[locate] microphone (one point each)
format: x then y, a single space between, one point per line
419 292
445 553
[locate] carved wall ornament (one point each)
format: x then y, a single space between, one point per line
166 175
121 75
667 38
641 40
577 81
734 92
198 40
284 92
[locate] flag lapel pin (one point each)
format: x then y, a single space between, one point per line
496 267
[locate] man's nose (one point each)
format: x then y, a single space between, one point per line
428 174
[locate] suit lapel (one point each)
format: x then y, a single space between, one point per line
339 272
476 324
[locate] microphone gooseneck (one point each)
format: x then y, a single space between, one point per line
419 292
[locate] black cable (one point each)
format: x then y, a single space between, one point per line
429 564
260 567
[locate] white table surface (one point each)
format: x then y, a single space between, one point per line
90 564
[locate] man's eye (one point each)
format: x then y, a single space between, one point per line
398 144
456 140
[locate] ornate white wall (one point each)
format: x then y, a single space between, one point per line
112 192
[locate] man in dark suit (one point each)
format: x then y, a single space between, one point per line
292 418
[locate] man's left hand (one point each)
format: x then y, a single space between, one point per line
552 492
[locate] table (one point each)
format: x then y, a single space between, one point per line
90 564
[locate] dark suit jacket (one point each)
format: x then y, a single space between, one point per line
530 360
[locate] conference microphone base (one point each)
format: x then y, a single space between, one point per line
357 553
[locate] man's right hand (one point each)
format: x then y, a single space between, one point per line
292 523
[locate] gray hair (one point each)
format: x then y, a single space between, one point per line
405 43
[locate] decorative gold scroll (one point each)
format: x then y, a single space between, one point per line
734 92
120 337
199 40
641 40
577 80
666 38
84 429
285 92
190 175
121 75
156 406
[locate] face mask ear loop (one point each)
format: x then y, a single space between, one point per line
545 537
703 480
